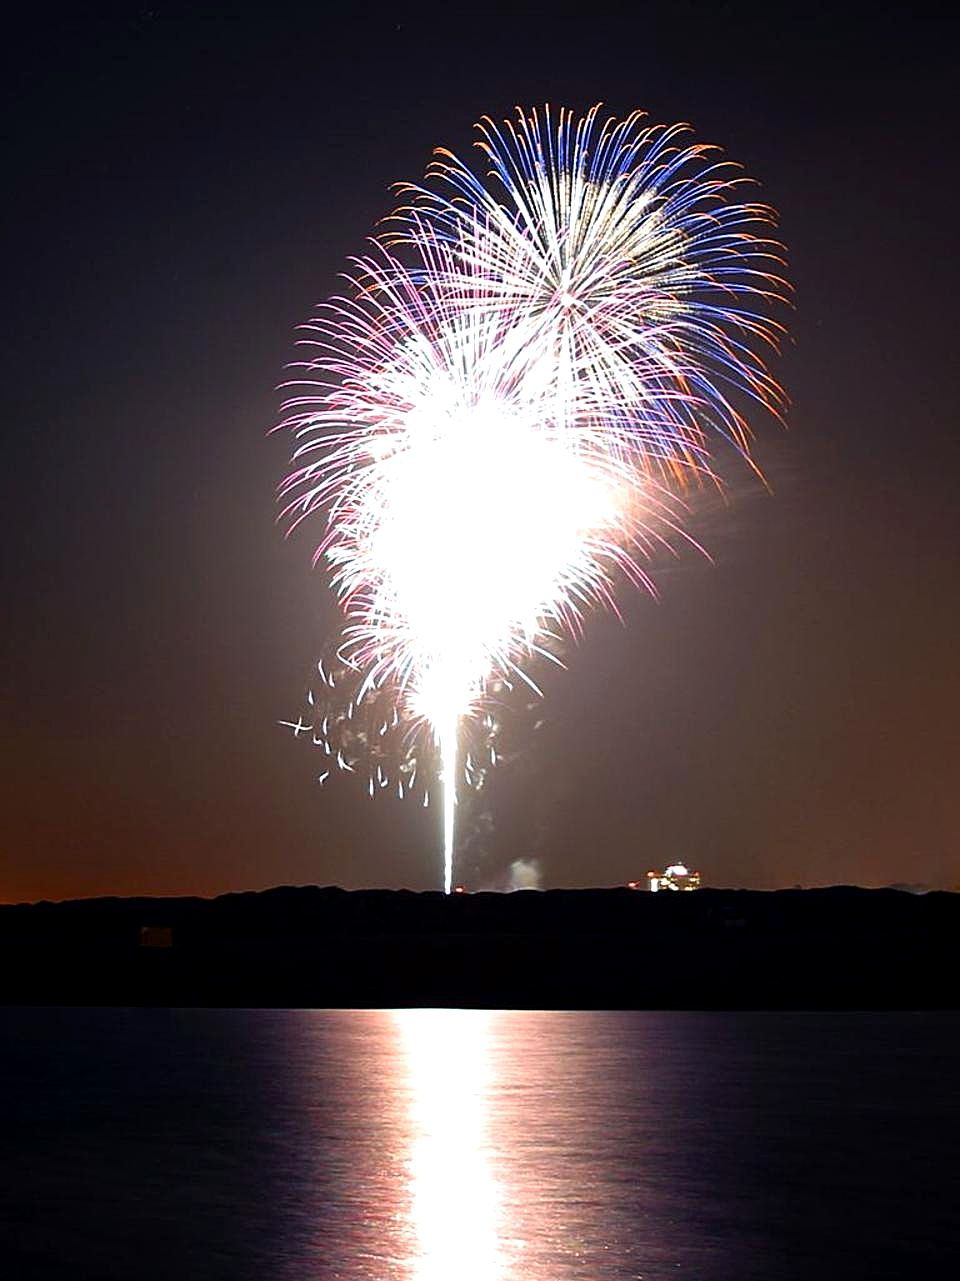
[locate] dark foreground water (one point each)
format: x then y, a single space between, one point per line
435 1145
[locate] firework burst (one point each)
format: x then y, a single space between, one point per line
495 416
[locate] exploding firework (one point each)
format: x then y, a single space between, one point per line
495 417
644 274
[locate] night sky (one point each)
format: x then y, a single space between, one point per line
183 186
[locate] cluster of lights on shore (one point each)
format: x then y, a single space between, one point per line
497 421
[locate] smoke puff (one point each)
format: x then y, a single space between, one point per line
524 874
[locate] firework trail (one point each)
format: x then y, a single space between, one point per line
495 419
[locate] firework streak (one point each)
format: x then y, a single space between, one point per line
498 419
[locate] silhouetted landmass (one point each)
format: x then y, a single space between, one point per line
612 948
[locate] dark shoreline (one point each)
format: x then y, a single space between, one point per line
840 948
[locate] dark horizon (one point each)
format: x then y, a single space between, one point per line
187 185
842 948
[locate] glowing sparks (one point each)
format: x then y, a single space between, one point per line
494 417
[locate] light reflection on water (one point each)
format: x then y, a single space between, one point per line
419 1145
454 1194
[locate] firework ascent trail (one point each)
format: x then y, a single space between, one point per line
498 419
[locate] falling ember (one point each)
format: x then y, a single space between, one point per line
497 418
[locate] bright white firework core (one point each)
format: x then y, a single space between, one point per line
479 517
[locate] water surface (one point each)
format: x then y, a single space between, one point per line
446 1145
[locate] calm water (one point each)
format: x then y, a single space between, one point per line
472 1146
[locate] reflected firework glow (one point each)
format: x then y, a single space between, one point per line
455 1196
